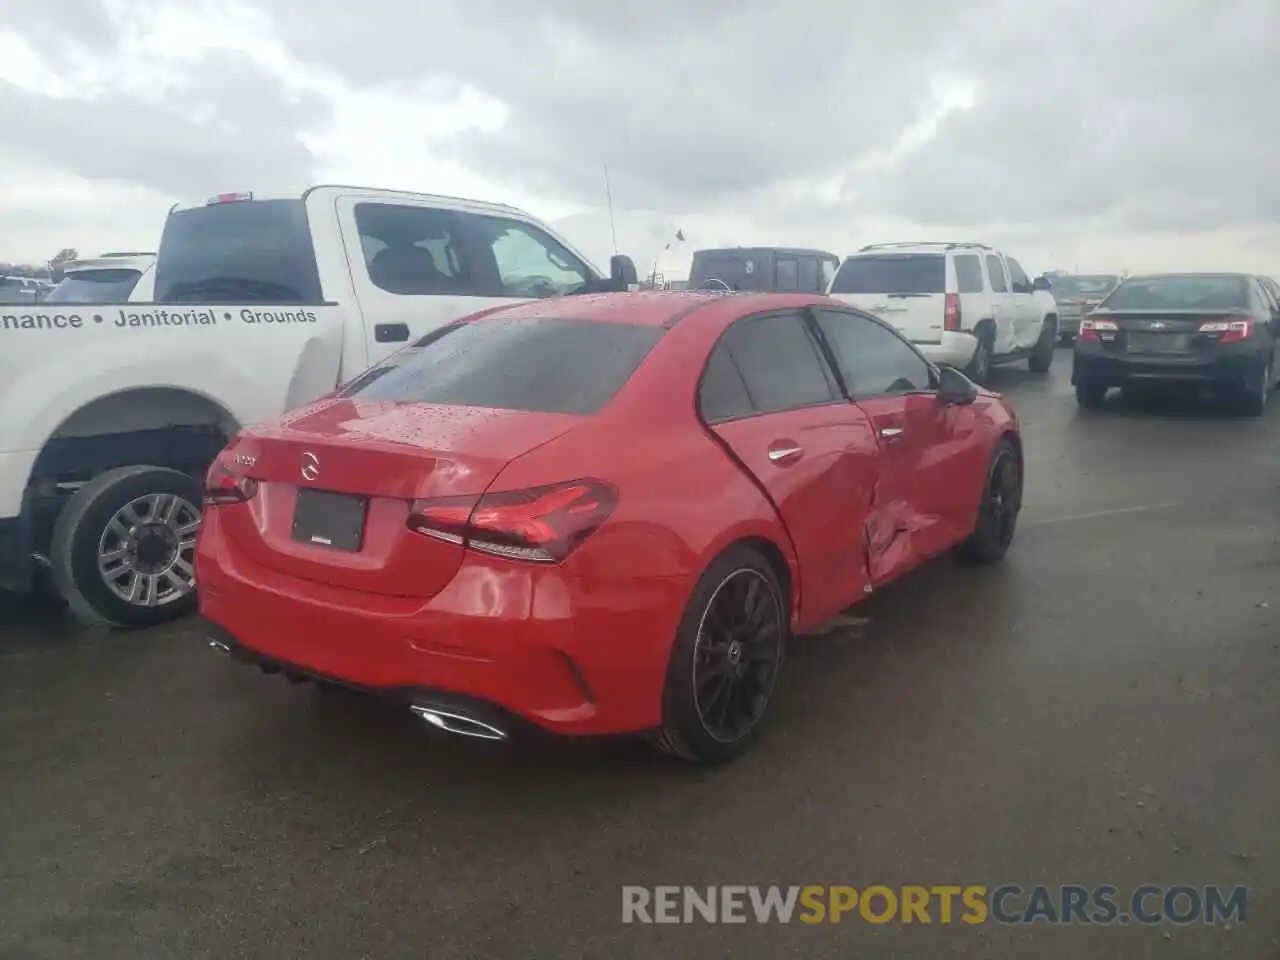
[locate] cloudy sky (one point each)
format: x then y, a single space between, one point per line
1088 134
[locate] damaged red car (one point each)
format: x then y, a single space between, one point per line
602 514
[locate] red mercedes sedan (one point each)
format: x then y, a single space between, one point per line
601 514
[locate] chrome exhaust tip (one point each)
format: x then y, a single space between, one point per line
458 724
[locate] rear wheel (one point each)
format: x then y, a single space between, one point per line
979 367
1041 358
998 510
1090 394
724 664
1255 392
123 546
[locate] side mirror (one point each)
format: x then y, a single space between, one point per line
1041 283
955 388
622 273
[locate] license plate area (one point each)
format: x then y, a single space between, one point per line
1158 342
333 520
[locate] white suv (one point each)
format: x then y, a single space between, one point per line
962 304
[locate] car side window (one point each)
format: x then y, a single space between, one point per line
788 274
779 362
874 361
530 262
829 269
996 271
1019 277
723 394
414 251
1269 301
968 273
809 275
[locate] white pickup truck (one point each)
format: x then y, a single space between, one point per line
111 412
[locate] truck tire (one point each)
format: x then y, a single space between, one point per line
123 547
978 368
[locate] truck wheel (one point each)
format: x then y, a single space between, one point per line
979 367
123 546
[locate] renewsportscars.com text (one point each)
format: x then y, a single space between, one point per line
941 903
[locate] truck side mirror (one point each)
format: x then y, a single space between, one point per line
1041 283
622 273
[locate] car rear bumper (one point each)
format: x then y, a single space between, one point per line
1231 364
506 638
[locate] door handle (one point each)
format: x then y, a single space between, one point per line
391 332
890 432
784 453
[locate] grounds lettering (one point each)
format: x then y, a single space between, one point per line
138 319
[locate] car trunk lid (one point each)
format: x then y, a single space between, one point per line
336 481
1164 332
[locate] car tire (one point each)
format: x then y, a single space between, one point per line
1042 353
123 545
978 368
998 508
1090 394
716 672
1255 392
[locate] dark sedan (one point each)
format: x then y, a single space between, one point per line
1076 295
1216 330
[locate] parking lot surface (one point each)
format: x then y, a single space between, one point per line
1101 709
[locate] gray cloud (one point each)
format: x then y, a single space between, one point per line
225 125
1159 113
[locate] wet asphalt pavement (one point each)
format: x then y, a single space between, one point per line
1100 710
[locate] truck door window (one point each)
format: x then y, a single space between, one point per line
996 270
530 262
413 251
1019 277
809 275
829 268
968 273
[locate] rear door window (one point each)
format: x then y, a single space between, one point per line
968 273
252 251
414 251
892 273
995 269
723 393
829 268
779 362
544 365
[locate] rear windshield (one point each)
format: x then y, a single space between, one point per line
892 273
95 286
543 365
1180 293
255 251
739 271
1098 286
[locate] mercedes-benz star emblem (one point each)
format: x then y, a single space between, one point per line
310 466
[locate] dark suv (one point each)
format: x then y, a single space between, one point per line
763 269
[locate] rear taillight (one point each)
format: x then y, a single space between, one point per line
1092 328
544 524
1229 329
951 312
224 486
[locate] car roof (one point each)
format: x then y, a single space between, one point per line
918 246
798 251
650 308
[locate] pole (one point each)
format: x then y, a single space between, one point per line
609 197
